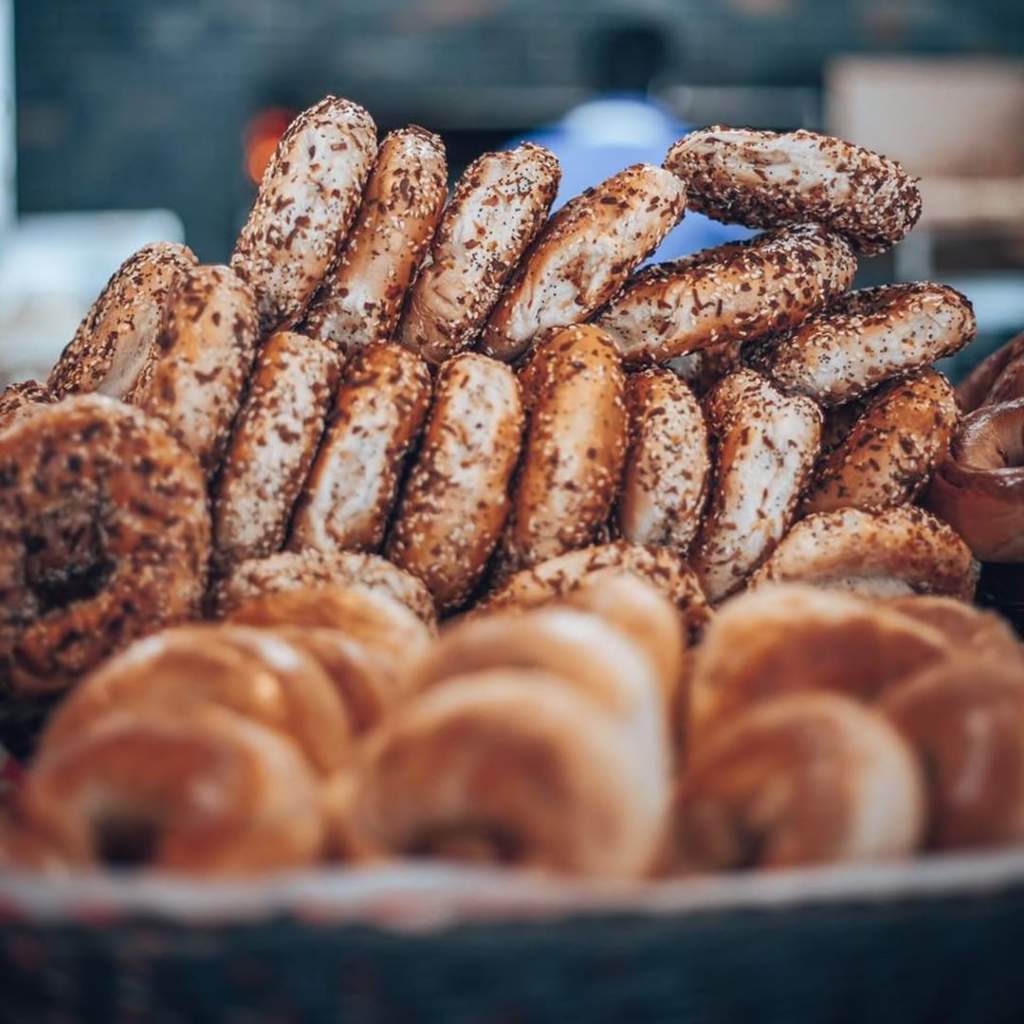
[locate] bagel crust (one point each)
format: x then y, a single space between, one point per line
769 179
583 256
360 301
891 450
275 438
105 537
667 467
574 448
378 414
765 445
868 337
309 195
496 210
456 501
728 295
888 553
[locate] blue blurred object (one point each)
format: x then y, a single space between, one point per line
600 137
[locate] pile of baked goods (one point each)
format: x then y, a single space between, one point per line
694 615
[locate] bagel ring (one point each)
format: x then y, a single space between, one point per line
765 445
455 501
888 553
979 489
966 627
891 450
361 299
767 179
310 193
272 447
117 339
868 337
105 537
294 570
20 399
998 377
665 482
729 295
379 410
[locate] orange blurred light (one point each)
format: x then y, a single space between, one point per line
261 138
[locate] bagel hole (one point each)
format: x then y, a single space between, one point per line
469 842
125 839
65 558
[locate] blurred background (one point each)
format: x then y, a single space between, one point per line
124 121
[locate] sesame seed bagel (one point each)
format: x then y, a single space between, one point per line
767 179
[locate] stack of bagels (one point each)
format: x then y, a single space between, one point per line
693 615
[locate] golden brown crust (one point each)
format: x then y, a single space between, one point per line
455 501
868 337
583 256
888 553
1004 366
979 489
292 570
574 448
965 628
558 577
379 411
497 207
809 778
210 793
361 299
309 196
891 450
117 339
206 345
459 770
766 179
965 721
104 538
790 638
249 671
21 399
735 293
374 618
665 482
275 438
764 447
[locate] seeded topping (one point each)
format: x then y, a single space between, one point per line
766 179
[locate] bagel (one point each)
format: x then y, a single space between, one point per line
207 343
735 293
361 299
809 778
767 179
868 337
890 452
294 570
308 197
765 445
349 494
996 378
22 398
496 210
117 339
887 553
584 255
210 793
275 438
574 447
105 537
558 577
966 628
249 671
965 721
789 638
979 489
512 767
455 502
665 482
